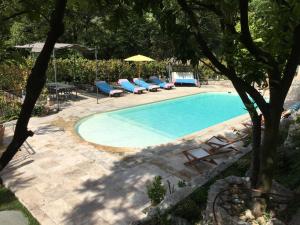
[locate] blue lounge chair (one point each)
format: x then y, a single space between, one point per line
107 89
126 85
141 83
161 84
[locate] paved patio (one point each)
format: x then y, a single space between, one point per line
62 179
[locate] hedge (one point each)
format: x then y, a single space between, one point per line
81 70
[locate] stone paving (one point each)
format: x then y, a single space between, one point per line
62 179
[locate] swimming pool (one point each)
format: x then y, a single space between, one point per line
160 122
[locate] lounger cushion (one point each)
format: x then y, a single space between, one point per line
113 92
162 84
214 141
129 86
198 153
144 84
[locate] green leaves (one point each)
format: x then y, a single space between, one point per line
156 190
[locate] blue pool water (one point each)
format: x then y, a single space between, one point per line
160 122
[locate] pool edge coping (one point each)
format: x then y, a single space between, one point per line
235 121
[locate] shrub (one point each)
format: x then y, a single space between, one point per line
9 110
189 210
181 183
207 73
78 69
13 75
156 190
84 71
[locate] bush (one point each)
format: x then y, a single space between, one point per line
84 71
208 74
40 110
156 190
13 75
9 110
189 210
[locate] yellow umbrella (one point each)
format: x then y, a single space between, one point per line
139 58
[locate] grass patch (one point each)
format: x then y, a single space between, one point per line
8 201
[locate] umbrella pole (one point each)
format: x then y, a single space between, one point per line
55 79
139 70
73 68
96 58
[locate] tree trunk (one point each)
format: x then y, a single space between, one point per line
35 84
268 152
256 144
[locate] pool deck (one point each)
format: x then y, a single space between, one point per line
62 179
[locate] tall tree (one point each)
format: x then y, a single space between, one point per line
252 51
35 83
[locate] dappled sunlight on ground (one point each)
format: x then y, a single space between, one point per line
65 180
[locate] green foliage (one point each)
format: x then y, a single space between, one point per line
200 196
191 207
289 160
13 75
181 184
83 70
39 110
298 120
160 219
189 210
9 110
156 190
207 73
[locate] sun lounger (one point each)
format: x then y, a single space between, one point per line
160 83
201 154
126 85
142 83
220 142
292 109
107 89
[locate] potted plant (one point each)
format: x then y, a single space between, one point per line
2 129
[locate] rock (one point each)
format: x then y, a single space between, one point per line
293 133
261 220
231 207
275 222
254 222
225 209
13 217
249 215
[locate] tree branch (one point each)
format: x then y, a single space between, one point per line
35 83
237 82
257 52
210 66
